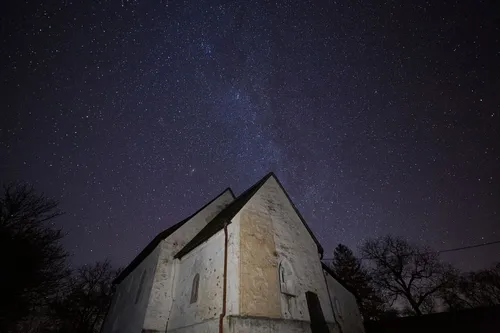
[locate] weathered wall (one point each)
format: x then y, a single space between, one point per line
259 293
125 316
161 296
271 210
265 232
152 311
233 267
207 326
345 306
236 324
207 260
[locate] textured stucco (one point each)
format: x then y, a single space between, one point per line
207 260
161 296
294 244
125 316
259 293
266 232
206 326
349 317
233 268
152 312
237 324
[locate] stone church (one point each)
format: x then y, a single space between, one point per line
239 264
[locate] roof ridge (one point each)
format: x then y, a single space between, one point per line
161 236
233 208
224 216
318 244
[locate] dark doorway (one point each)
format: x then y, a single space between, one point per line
318 322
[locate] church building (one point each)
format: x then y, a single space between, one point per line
239 264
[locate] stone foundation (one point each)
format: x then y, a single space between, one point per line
237 324
207 326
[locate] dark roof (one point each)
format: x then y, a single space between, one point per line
161 236
225 216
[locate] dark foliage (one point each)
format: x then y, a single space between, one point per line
41 295
473 289
349 269
33 260
82 305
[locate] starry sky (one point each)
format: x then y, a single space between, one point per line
377 116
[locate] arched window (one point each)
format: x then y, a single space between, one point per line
194 288
287 278
139 289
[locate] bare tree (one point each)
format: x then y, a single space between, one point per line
87 295
33 259
406 272
473 289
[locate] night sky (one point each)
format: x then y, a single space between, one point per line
377 118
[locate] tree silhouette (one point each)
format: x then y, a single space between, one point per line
348 268
406 272
83 303
473 289
33 260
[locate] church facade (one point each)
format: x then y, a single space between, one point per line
245 264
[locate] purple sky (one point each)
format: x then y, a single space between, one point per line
377 118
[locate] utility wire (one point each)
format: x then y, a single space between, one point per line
454 249
469 247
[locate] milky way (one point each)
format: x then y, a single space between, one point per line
377 118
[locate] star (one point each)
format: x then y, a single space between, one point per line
376 120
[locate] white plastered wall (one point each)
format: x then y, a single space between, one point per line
126 316
161 296
207 260
233 268
152 312
295 244
345 306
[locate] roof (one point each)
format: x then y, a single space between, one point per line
226 215
161 236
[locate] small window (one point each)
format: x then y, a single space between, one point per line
287 278
139 290
194 288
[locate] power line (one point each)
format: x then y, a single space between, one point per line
454 249
469 247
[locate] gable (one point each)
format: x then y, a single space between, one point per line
226 215
164 234
281 189
276 246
